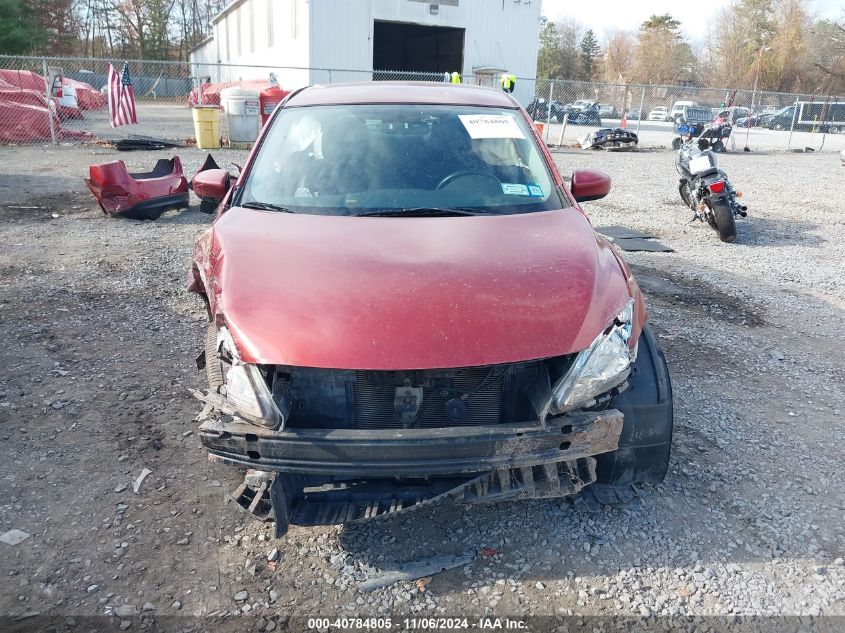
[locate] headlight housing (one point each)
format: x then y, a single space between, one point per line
245 389
599 368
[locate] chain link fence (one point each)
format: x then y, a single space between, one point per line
763 120
32 110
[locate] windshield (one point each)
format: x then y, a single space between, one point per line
354 159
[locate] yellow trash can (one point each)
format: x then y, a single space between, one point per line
207 126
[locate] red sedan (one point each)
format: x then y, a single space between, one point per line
407 305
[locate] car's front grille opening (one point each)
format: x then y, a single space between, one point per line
470 397
435 398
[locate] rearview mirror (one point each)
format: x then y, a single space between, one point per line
589 184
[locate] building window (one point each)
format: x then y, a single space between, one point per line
269 23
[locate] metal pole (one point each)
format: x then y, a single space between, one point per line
549 110
753 92
49 111
792 127
563 127
642 100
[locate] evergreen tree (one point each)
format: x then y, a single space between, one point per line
17 33
589 52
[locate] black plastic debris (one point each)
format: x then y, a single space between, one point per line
631 240
138 142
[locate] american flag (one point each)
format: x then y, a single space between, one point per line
121 97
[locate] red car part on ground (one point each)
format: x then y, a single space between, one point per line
139 196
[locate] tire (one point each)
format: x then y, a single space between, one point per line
646 440
213 364
723 217
682 189
676 143
778 127
833 129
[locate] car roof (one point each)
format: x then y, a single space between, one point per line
420 92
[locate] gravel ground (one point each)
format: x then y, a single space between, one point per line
99 344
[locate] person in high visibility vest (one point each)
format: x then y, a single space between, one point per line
508 81
455 77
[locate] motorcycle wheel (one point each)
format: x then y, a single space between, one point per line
723 218
676 143
684 191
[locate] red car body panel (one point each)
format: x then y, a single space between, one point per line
134 195
408 293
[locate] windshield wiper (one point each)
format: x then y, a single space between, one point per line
422 211
265 206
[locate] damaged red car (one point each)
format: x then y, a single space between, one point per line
408 306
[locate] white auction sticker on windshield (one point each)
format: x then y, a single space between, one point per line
491 126
514 189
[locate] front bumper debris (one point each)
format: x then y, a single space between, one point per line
405 452
337 476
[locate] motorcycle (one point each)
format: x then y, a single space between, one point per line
706 189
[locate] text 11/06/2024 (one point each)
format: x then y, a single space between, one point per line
421 623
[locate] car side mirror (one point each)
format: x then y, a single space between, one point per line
211 186
589 184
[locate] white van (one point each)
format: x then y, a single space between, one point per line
678 108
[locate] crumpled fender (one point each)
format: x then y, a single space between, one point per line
138 196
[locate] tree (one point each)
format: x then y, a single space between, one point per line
55 26
741 30
548 56
570 32
826 57
16 31
662 56
619 51
589 52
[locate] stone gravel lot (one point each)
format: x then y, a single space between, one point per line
98 344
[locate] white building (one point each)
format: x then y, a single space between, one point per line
329 40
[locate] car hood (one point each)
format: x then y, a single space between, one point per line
408 292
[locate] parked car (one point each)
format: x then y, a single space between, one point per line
607 111
581 104
678 108
540 109
659 113
633 115
732 114
407 304
588 115
754 120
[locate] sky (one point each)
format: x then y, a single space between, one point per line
611 15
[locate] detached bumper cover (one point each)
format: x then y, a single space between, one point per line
412 452
138 196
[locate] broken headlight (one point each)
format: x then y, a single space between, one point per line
599 368
245 388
